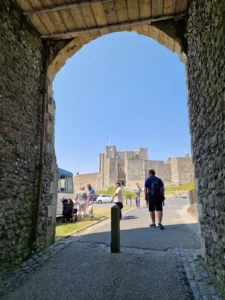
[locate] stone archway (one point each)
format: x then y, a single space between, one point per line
168 38
61 51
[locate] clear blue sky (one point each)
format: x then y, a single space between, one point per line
124 85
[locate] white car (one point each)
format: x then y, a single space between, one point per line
104 199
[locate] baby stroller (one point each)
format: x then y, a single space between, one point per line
67 210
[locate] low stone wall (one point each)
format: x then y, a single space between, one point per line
95 179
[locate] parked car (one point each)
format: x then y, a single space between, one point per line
95 198
104 199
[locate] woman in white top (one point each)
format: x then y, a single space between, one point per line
118 198
81 198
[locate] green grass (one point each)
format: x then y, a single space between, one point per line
111 191
64 229
170 190
184 188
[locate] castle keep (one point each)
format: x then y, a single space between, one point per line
130 167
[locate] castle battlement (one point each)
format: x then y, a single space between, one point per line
131 166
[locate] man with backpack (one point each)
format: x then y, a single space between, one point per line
154 193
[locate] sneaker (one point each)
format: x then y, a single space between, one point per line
152 225
161 226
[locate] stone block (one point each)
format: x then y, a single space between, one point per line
52 211
200 212
51 109
53 188
50 128
50 148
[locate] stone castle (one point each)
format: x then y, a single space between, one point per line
130 167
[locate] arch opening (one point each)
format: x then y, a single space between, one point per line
120 154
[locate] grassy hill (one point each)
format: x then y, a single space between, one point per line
170 190
111 191
183 188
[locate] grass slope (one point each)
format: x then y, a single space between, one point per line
183 188
64 229
168 190
111 191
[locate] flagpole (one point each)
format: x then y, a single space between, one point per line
109 140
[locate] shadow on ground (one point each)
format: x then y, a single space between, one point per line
180 235
130 217
146 267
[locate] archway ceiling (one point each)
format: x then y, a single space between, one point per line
65 19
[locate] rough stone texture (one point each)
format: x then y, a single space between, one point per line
198 283
182 170
135 171
130 167
193 202
206 82
96 180
163 170
20 117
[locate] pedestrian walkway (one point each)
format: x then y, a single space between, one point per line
153 264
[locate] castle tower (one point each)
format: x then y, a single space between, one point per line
143 153
169 160
101 159
110 152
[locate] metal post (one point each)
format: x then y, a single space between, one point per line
115 229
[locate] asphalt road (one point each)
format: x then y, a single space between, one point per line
144 269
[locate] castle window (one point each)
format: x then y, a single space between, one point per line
120 169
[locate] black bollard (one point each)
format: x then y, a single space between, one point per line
115 229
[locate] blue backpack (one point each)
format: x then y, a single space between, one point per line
154 189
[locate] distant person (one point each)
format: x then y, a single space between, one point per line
118 198
91 193
137 191
91 210
81 198
154 193
75 209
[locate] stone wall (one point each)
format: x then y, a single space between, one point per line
182 170
135 172
174 168
95 179
162 170
106 174
110 152
193 202
206 83
21 94
101 159
20 117
143 153
113 171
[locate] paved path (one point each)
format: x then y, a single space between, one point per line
146 268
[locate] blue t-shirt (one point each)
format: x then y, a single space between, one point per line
150 180
91 191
